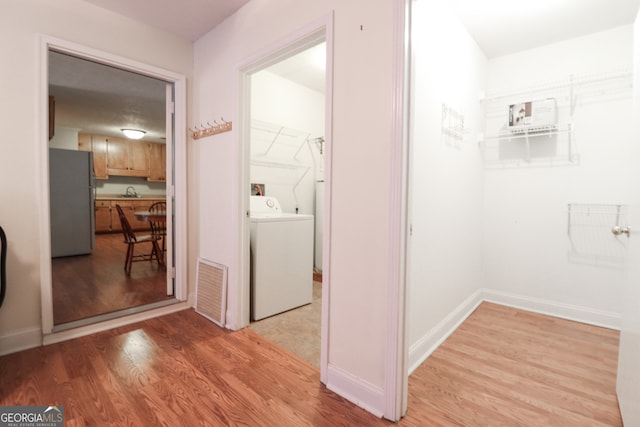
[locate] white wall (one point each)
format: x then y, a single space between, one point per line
361 146
283 102
65 138
20 148
290 114
447 175
526 246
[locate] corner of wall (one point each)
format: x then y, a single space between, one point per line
425 346
191 299
422 349
590 316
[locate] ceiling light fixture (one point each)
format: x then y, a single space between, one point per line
133 133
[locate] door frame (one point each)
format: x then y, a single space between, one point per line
176 182
396 377
306 37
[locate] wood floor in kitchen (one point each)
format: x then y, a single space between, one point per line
96 284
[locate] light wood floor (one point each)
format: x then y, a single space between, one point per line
501 367
91 285
507 367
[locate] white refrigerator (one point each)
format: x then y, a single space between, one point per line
72 201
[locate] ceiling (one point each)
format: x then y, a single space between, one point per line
307 68
190 19
501 27
99 99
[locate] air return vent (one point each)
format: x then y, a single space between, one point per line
211 291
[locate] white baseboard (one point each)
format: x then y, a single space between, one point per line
422 349
22 339
365 395
576 313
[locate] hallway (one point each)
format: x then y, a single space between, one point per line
501 367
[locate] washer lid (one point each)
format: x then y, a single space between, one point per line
280 218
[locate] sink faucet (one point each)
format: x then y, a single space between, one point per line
131 191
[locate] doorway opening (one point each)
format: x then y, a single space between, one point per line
93 102
287 161
535 193
287 168
121 199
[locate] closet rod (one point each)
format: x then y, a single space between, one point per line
273 131
278 165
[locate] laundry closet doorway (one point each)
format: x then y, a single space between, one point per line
286 133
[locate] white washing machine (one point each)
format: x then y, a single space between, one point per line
281 258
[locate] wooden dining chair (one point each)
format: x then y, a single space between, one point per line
159 226
132 240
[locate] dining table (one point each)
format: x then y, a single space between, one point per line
151 216
157 219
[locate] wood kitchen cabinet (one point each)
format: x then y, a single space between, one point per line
114 156
106 214
129 207
103 216
157 162
127 158
97 144
84 142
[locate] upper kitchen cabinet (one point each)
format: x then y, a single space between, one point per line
157 162
97 144
84 142
114 156
127 158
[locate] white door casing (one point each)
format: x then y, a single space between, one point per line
176 181
308 36
169 147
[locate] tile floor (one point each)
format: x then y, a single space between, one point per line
297 330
